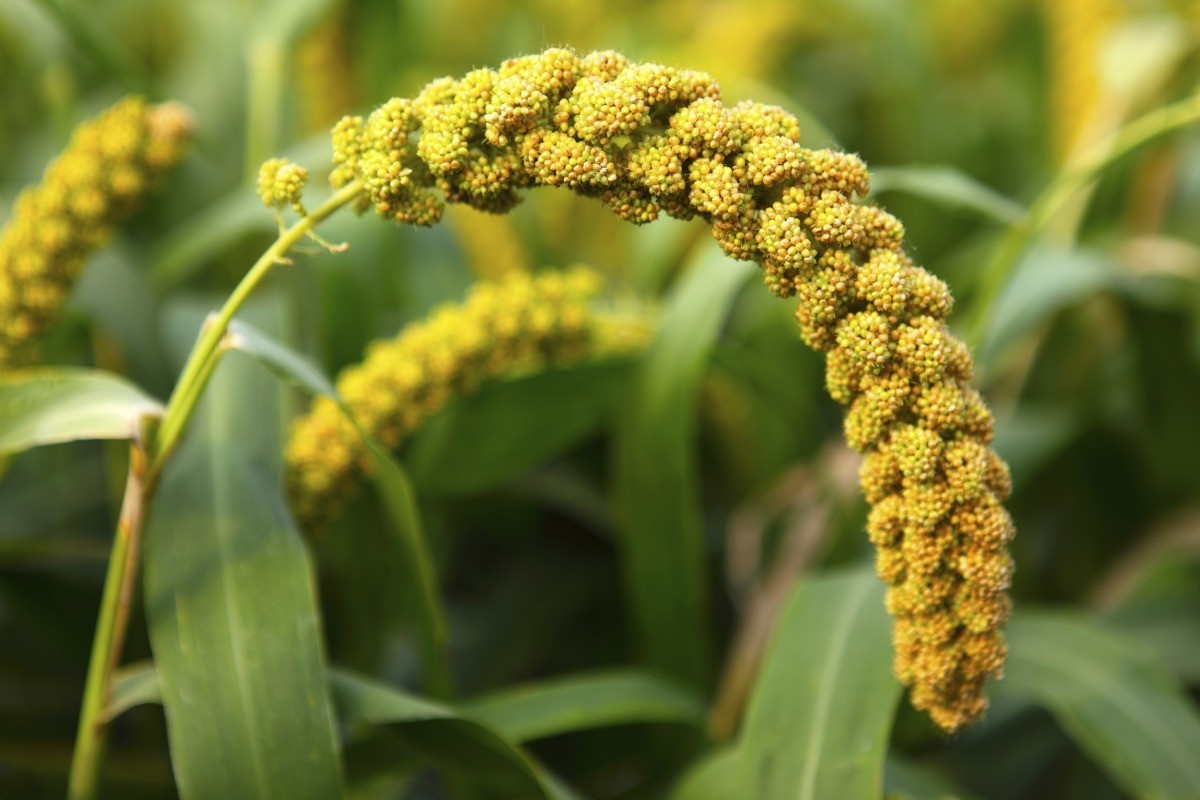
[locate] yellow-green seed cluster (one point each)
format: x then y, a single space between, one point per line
110 163
648 139
520 323
281 184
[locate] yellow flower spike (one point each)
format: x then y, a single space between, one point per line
86 192
518 323
648 140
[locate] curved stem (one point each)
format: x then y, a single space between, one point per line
1004 260
145 467
192 381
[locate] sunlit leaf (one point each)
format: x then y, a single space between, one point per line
280 359
62 404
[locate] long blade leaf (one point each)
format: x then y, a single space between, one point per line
406 549
821 712
232 614
579 703
1131 718
456 744
656 486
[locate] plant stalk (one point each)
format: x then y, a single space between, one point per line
145 467
191 383
111 627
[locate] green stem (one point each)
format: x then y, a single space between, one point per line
144 470
110 631
1008 253
191 383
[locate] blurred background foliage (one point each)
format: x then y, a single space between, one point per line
965 111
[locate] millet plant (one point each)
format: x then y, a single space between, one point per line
645 140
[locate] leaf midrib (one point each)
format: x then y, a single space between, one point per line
836 651
234 620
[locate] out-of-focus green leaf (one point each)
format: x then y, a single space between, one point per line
133 685
41 549
716 777
948 187
548 708
113 293
280 359
656 251
231 609
1134 722
656 489
1172 635
63 404
104 48
288 19
906 780
821 711
1030 437
409 552
1047 280
455 744
207 234
510 427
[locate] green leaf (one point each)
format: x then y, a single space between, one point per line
655 483
715 777
207 233
455 744
231 609
1136 724
1030 436
62 404
1047 280
949 188
510 427
284 362
406 550
548 708
133 685
1171 633
516 715
908 780
821 712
